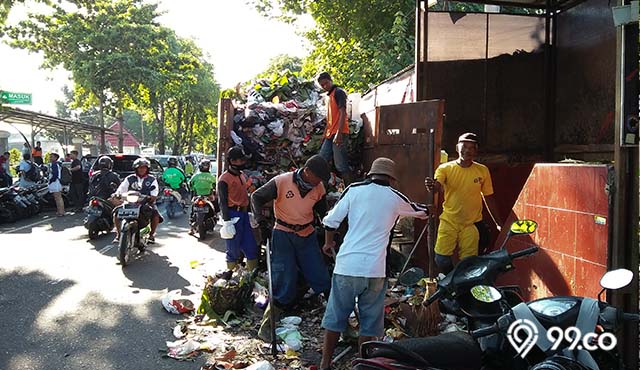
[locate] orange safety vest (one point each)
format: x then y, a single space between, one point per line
292 208
36 153
238 189
333 114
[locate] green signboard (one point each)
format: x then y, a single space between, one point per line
8 97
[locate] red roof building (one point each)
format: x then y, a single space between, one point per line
129 141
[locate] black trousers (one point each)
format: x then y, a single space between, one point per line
77 194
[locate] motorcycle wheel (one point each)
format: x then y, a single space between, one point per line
202 230
171 213
93 234
127 243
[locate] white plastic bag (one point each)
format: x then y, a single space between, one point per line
228 230
262 365
174 303
277 127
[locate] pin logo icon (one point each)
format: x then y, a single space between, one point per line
522 335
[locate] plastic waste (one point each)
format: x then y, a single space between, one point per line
181 349
262 365
291 320
228 230
174 303
277 127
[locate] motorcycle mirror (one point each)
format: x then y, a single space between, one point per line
411 277
486 293
616 279
523 227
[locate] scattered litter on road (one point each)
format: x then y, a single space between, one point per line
174 303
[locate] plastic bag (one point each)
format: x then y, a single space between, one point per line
174 303
262 365
277 127
228 230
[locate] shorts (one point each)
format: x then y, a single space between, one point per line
450 235
369 294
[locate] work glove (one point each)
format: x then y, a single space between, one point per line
228 229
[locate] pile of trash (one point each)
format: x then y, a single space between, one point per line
281 124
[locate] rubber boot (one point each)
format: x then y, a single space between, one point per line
252 264
264 332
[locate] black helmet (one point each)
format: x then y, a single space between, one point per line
204 165
236 152
173 162
141 162
105 163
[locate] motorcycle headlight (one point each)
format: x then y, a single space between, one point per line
475 272
133 198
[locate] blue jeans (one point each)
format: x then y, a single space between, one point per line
292 254
338 153
243 240
369 292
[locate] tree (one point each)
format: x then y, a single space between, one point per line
6 5
281 63
106 45
360 42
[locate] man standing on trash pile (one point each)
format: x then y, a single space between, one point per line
233 197
336 134
464 183
297 197
372 208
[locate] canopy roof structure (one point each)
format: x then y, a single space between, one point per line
40 121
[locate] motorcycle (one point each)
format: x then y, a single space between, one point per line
174 202
98 217
576 333
203 216
133 235
8 211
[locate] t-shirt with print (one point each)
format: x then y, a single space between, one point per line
463 190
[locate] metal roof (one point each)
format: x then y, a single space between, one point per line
47 122
552 5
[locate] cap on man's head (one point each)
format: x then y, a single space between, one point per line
468 137
319 167
383 166
235 153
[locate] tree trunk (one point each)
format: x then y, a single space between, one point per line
103 144
161 133
179 117
191 124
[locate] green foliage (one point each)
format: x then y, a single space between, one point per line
281 63
359 42
15 156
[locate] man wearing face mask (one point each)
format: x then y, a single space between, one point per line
233 196
465 183
297 197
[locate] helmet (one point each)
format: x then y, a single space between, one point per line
105 163
141 162
204 165
173 162
236 152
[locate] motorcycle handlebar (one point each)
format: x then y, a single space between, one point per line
631 317
524 252
483 332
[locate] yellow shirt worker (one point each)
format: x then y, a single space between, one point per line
464 183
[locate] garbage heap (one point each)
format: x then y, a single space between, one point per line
280 122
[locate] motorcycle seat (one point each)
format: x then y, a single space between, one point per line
457 350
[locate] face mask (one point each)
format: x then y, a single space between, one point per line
238 167
305 186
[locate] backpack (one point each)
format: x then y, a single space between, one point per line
65 175
33 174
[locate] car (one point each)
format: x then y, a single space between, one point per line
123 165
164 160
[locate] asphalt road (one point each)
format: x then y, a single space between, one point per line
65 303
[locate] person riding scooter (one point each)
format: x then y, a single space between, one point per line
146 184
176 179
203 183
104 182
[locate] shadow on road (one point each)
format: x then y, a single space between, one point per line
101 335
154 272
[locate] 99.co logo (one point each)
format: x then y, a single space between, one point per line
523 336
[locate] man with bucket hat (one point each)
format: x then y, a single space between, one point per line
372 208
465 183
297 197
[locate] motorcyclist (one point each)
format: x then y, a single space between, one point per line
203 183
176 179
104 182
188 166
147 185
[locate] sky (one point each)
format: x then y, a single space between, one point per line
237 39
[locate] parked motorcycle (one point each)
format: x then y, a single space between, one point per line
8 209
203 216
576 333
99 217
133 232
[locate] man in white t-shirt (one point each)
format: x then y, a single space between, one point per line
372 208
